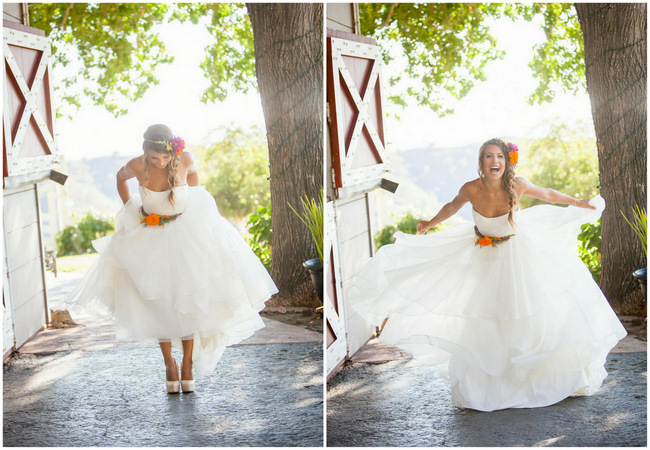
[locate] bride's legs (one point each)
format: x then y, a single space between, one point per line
170 364
186 366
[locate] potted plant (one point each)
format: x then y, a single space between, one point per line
312 217
640 226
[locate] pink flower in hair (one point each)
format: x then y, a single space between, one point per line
178 145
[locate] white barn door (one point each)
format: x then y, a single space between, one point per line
358 163
30 153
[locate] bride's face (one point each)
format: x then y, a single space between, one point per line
494 162
159 160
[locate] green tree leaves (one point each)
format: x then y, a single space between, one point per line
448 45
559 62
115 43
230 61
114 49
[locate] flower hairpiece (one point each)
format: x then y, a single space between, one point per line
176 144
513 153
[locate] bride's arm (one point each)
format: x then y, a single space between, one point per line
192 174
550 195
125 173
446 211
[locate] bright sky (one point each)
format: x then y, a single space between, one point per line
175 102
496 107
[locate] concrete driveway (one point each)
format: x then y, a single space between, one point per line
386 399
80 387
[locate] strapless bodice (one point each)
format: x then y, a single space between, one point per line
494 226
158 202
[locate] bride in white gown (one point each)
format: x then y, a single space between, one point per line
175 270
505 308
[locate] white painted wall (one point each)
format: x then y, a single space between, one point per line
340 16
24 269
13 12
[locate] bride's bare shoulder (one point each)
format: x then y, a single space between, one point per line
133 168
472 187
136 164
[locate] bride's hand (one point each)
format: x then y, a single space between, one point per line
423 226
584 203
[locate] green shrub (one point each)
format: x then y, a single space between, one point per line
77 239
261 234
589 248
408 224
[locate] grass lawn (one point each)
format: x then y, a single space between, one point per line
72 263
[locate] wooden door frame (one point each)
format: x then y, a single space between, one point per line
336 352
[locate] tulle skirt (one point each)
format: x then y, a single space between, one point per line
521 324
194 277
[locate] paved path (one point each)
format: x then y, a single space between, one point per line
259 395
81 387
393 401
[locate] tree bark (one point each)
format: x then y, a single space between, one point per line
615 59
288 40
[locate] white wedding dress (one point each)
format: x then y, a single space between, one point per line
194 276
518 325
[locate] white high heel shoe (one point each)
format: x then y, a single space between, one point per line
173 387
187 385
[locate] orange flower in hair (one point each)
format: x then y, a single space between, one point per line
513 154
514 158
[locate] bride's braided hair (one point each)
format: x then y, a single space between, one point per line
508 178
153 137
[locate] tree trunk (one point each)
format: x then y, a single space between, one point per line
615 59
288 41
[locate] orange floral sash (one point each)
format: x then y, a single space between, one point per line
485 241
153 220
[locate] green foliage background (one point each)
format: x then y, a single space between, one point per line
235 170
261 233
589 242
77 239
407 224
565 160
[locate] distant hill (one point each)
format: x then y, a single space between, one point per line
430 177
91 185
